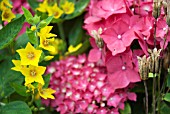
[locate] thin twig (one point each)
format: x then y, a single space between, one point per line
146 97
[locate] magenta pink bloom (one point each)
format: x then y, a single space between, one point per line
118 37
121 70
82 87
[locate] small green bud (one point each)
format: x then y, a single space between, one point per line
41 108
36 19
35 109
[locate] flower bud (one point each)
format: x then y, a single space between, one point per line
164 4
155 9
143 67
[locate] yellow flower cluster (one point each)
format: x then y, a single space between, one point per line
28 66
67 8
7 14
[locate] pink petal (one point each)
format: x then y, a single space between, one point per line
118 80
94 55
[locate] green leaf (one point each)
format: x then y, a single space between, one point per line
32 36
16 107
8 76
46 80
10 31
168 80
79 8
45 22
164 108
167 97
28 15
127 109
20 89
33 3
76 33
21 41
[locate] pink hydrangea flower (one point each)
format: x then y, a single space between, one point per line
82 87
121 70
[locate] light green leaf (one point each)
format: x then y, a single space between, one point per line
127 109
167 97
16 107
45 22
10 31
32 36
28 15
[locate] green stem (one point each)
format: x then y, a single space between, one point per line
154 95
61 30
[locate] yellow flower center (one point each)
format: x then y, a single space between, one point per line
6 15
30 55
46 42
33 72
56 13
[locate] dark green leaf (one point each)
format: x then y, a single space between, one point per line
16 107
76 33
33 3
32 36
47 80
79 8
168 80
20 89
127 109
10 31
164 108
8 76
167 97
21 41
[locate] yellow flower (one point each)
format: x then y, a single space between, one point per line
46 43
47 58
43 7
68 7
7 15
57 43
18 66
56 11
5 4
44 32
46 93
33 74
29 55
72 49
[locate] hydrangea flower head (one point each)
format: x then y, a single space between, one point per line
82 87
